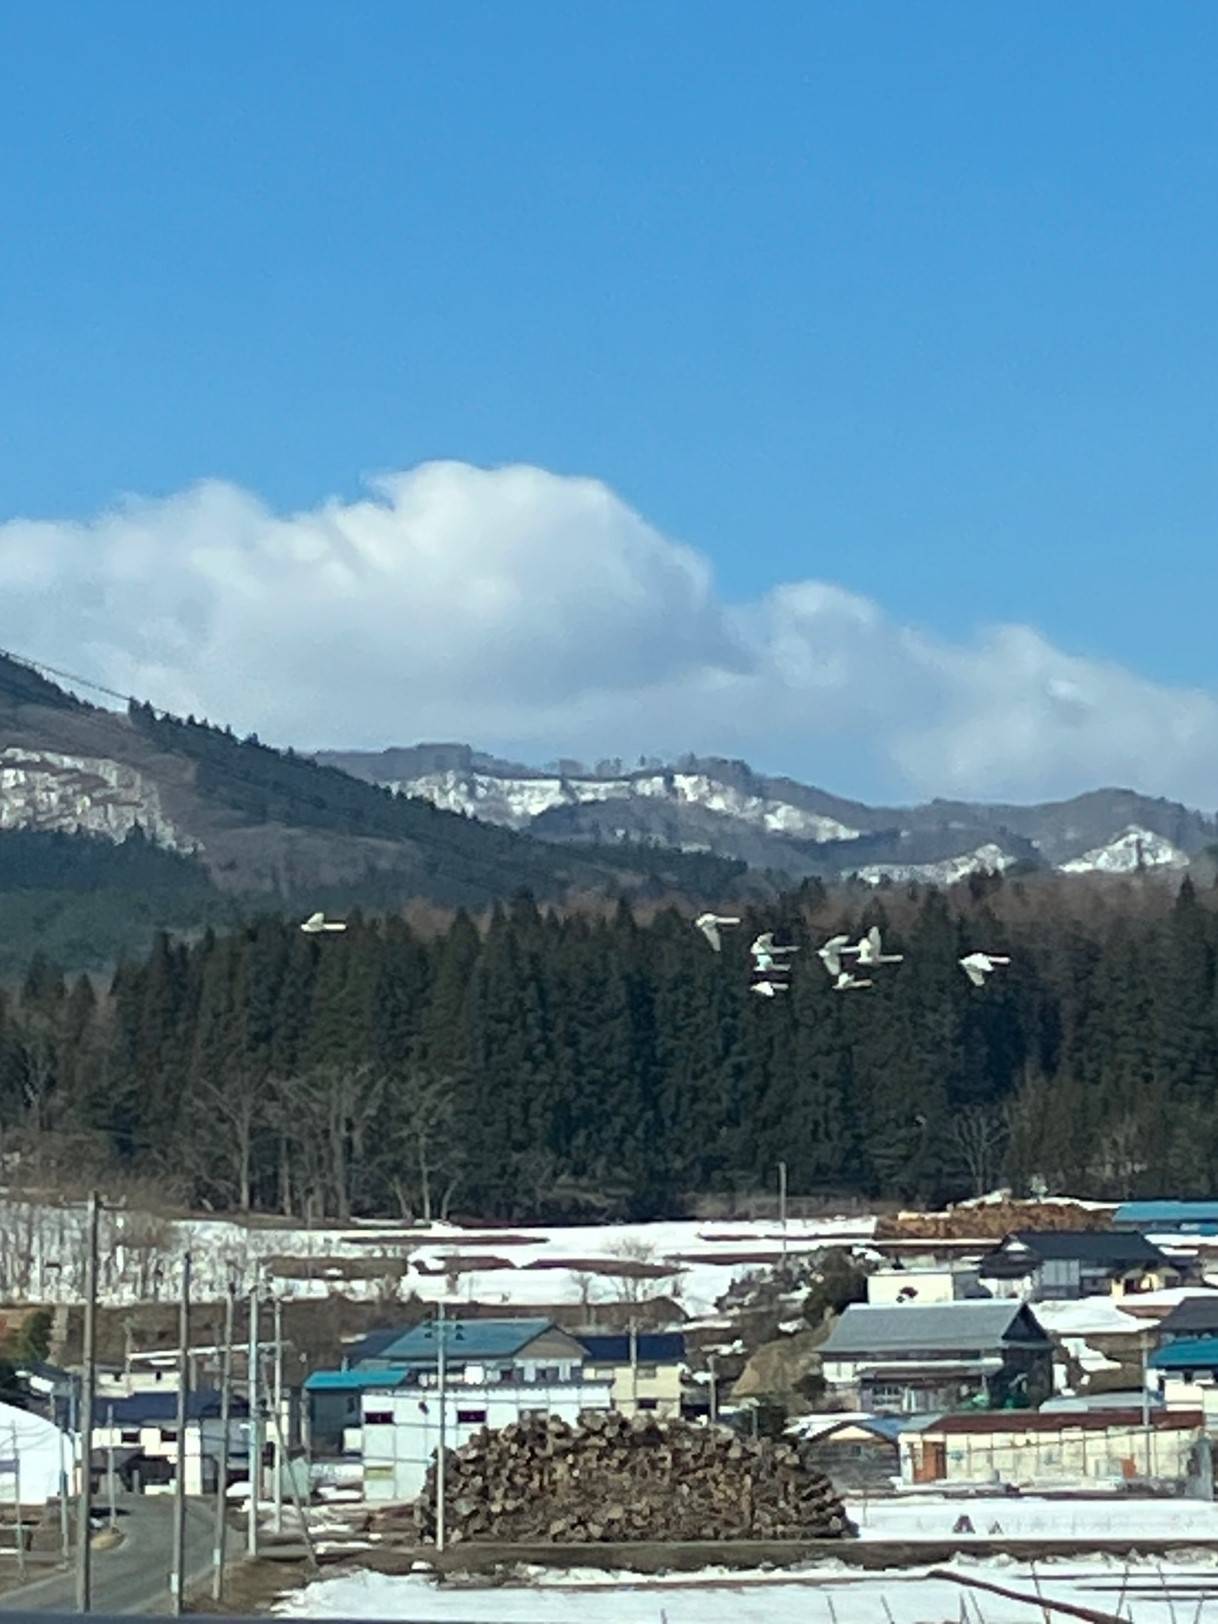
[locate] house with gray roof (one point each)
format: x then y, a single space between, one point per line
906 1359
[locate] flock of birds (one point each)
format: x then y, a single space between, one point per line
771 972
771 960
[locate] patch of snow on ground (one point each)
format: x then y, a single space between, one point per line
142 1256
830 1593
1030 1517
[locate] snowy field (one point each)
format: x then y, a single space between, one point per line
1030 1517
831 1594
42 1252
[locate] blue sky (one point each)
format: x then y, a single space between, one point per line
919 300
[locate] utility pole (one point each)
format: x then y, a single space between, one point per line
634 1367
441 1464
277 1401
1146 1401
84 1503
66 1445
782 1209
219 1538
112 1507
17 1503
177 1577
255 1423
306 1535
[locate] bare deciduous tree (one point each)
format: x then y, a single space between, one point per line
979 1133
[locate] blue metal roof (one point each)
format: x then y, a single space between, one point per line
1189 1353
352 1381
162 1407
470 1339
651 1348
1167 1212
371 1346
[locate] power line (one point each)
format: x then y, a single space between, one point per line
38 666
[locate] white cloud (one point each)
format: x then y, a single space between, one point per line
538 614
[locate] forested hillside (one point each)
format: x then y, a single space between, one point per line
560 1064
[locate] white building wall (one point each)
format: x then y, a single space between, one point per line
34 1455
203 1439
948 1284
1071 1454
399 1449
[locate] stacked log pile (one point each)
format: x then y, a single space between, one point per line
613 1478
990 1220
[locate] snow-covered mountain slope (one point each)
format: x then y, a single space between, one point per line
723 806
517 801
1131 850
987 859
44 789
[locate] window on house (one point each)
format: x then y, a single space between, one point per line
647 1371
471 1418
886 1393
548 1373
169 1435
648 1403
378 1418
129 1437
604 1373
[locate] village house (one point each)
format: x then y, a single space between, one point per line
400 1424
1185 1372
1193 1316
529 1355
908 1358
948 1282
1044 1447
1053 1264
141 1429
647 1369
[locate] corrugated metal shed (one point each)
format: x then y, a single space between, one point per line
1062 1421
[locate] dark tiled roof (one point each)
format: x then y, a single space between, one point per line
1194 1315
1109 1248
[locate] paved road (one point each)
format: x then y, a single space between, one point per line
134 1577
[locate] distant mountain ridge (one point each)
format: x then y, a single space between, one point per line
723 806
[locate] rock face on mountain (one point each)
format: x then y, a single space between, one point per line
722 806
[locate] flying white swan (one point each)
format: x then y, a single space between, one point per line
769 989
711 924
871 949
316 923
977 966
765 953
832 953
850 983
